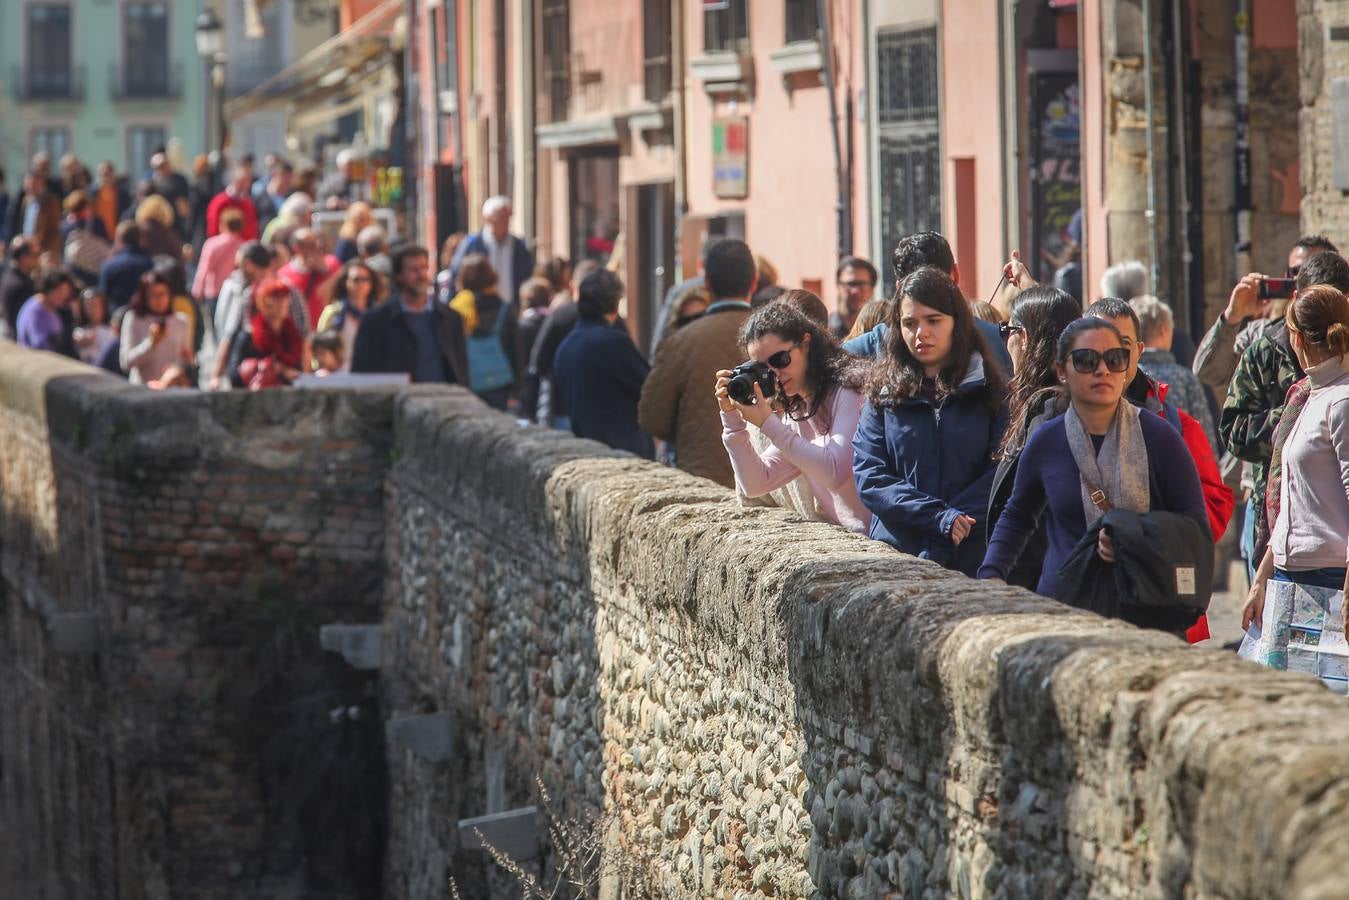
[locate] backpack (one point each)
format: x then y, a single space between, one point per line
488 367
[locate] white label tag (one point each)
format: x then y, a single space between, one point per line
1184 580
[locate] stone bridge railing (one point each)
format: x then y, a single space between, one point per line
759 706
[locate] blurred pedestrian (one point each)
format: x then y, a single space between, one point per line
508 254
350 295
120 277
40 325
16 282
269 351
358 217
412 333
857 280
237 195
490 326
153 336
216 261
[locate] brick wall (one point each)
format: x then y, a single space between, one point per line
206 538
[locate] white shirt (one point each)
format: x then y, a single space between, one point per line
502 257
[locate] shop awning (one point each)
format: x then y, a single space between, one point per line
322 81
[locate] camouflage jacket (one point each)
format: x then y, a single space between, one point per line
1255 400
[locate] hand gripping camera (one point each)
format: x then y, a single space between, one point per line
743 378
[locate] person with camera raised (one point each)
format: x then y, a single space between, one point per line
802 392
923 457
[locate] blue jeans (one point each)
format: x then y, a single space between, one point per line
1330 578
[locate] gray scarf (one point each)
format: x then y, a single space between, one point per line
1121 468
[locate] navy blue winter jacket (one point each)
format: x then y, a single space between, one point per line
919 465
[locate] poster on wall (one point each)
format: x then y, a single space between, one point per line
1055 171
730 157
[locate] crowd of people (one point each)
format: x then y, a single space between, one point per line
1077 450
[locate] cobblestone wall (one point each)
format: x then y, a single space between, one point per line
773 708
166 563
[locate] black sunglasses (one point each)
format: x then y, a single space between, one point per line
1291 271
1006 328
1086 360
782 359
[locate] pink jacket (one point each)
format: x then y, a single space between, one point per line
819 448
215 265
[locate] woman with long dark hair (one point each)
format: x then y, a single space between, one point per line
809 420
1101 453
1039 316
934 414
154 337
356 289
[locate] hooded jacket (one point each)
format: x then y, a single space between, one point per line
918 465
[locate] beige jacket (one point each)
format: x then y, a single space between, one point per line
678 404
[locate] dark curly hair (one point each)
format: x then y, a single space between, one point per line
828 367
899 376
1041 314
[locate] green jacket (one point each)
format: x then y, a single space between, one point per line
1255 399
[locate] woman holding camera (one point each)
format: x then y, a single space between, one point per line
813 388
153 336
923 455
1100 444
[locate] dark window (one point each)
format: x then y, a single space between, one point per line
54 140
49 73
803 20
557 57
141 143
906 66
909 154
656 48
253 60
145 53
726 27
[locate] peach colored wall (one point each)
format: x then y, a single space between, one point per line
352 10
789 213
606 57
970 115
1097 251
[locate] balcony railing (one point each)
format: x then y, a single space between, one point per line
32 85
131 82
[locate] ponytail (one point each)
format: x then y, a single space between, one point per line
1320 314
1337 338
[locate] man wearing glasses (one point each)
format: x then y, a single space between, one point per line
856 286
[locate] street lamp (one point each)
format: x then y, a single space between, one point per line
211 49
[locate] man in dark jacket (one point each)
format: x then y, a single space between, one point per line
509 255
410 332
600 371
16 285
928 248
121 274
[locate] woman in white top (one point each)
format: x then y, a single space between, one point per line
154 337
809 420
1310 541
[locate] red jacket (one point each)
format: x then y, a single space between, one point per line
309 285
223 201
1218 498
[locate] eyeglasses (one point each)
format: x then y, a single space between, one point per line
1006 328
1086 360
357 279
782 359
1291 271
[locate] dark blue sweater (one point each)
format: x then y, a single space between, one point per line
1047 479
599 373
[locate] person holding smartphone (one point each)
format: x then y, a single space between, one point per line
1102 443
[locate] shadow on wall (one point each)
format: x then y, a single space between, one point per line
168 559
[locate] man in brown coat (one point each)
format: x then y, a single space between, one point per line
678 404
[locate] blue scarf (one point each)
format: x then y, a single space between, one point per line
347 310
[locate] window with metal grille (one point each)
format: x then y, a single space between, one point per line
49 70
656 49
557 57
726 26
906 66
54 140
145 53
908 139
803 20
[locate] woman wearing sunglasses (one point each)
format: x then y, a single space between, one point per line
809 421
1101 443
923 454
1039 316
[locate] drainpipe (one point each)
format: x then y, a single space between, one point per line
526 141
843 205
1242 189
1151 115
678 124
500 150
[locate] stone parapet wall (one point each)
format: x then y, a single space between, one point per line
775 708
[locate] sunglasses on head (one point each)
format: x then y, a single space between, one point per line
782 359
1086 360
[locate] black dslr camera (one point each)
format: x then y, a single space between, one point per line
745 376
